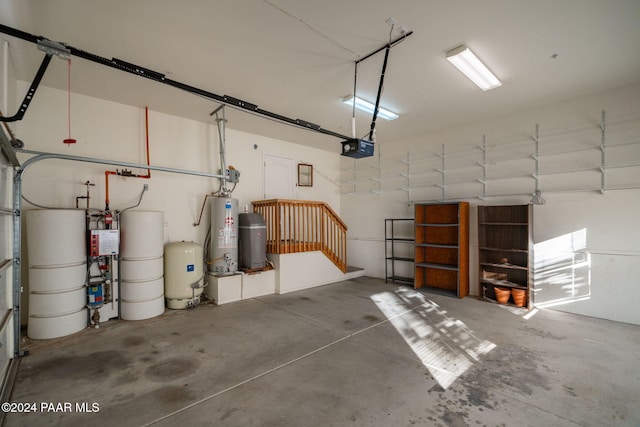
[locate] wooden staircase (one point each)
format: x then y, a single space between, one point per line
304 226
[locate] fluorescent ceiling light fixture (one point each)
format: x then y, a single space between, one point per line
473 68
363 105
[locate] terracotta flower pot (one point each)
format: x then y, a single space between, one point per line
502 294
519 297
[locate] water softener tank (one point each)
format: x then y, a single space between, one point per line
223 249
183 274
56 245
253 241
142 250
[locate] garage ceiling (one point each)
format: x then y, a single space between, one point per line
296 58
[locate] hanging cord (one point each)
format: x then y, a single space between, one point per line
69 96
69 140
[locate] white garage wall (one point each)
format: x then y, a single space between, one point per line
570 136
587 255
108 130
114 131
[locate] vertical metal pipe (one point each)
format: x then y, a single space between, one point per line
223 149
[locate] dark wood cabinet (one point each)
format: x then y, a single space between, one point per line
442 247
505 252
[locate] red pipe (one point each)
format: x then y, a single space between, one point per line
146 128
106 197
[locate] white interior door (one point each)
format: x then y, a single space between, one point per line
278 180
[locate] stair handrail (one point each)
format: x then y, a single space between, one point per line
302 226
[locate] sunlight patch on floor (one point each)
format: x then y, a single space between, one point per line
446 346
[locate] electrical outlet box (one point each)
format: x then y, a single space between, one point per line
233 175
230 175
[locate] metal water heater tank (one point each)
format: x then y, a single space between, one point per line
183 274
223 249
253 241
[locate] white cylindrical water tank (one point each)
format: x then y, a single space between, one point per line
223 249
56 249
141 266
183 274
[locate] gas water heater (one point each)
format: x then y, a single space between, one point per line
223 249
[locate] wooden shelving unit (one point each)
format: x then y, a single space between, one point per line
399 241
505 250
442 247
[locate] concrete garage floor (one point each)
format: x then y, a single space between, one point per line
354 353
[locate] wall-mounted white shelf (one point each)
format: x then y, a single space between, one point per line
498 168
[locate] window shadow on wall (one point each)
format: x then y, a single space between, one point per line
562 273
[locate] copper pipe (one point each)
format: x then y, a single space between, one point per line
106 197
147 176
146 129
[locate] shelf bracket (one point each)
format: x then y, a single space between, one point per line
408 175
536 157
443 175
603 165
484 166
